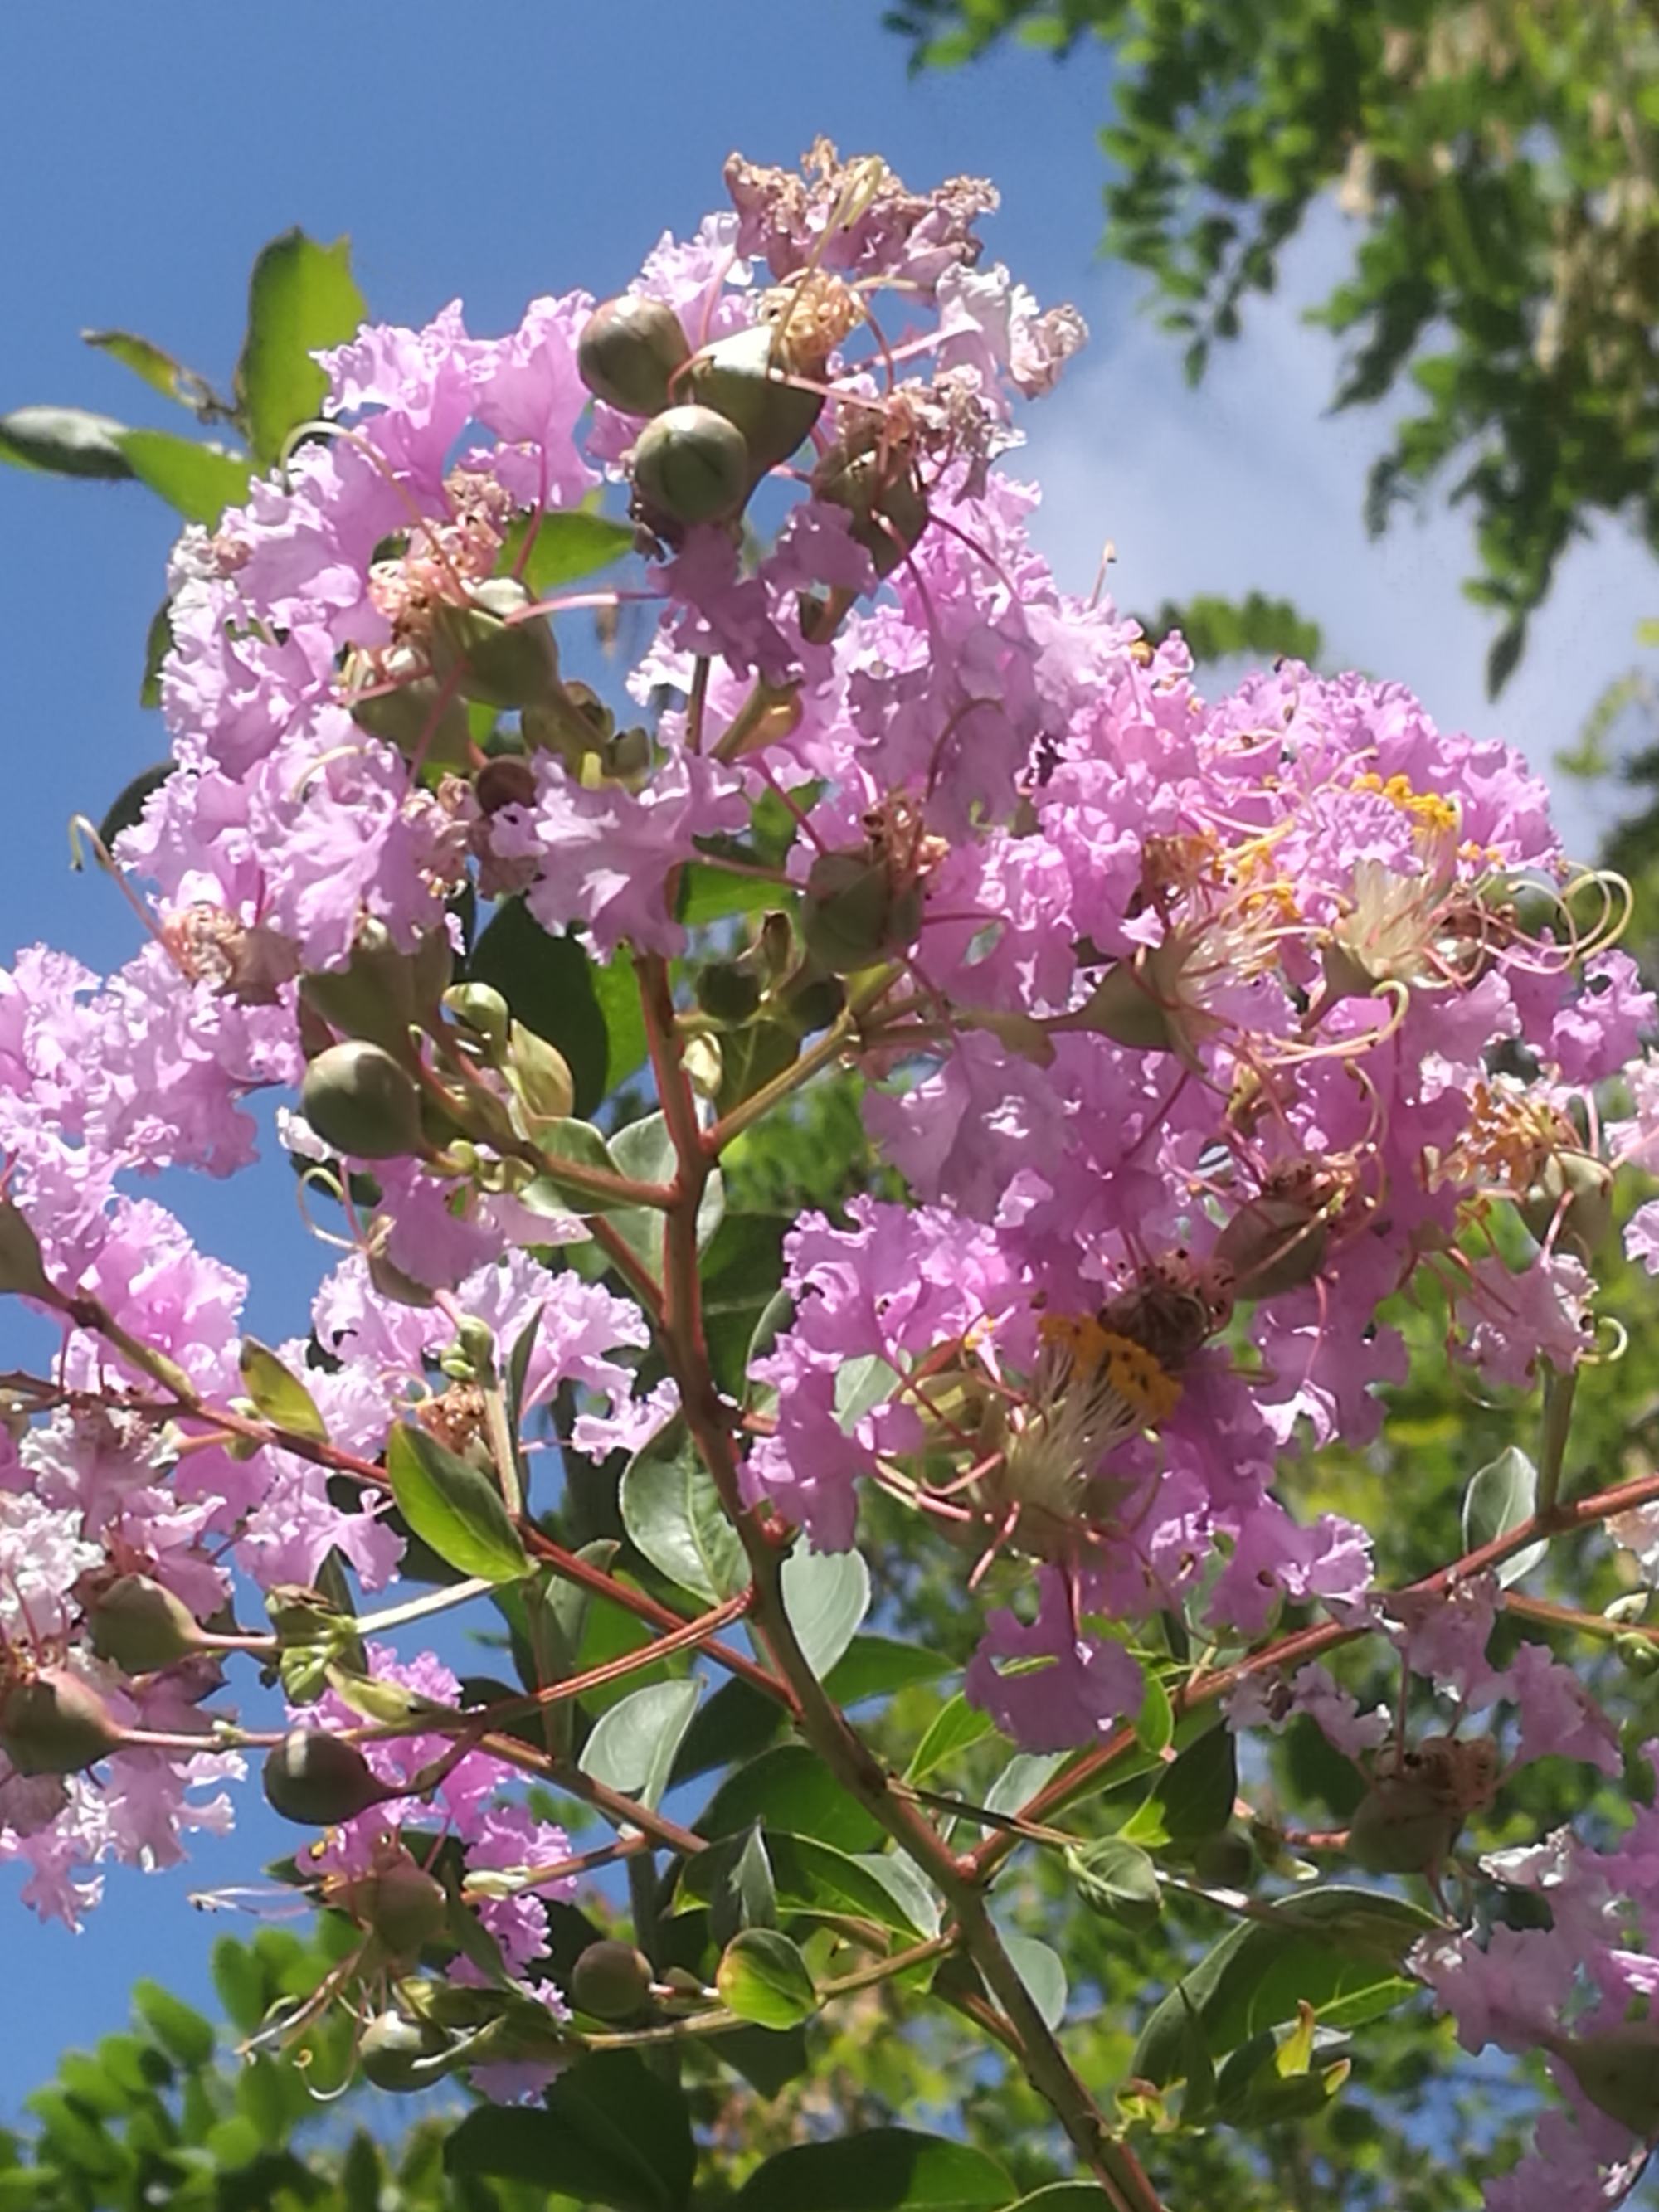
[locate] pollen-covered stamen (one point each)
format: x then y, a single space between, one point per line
1093 1389
455 1418
243 960
440 558
812 313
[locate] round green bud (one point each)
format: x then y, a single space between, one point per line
691 465
1225 1861
611 1980
743 377
499 661
360 1102
400 1903
56 1723
402 2054
726 991
141 1627
1571 1197
852 915
629 351
319 1779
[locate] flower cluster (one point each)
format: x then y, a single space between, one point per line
1201 1032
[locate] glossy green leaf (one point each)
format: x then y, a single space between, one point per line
632 1748
789 1787
1193 1795
583 1146
644 1152
178 2028
548 984
862 1385
877 1665
1117 1879
1500 1497
152 363
198 481
955 1726
67 441
127 806
1337 1948
617 990
880 2170
452 1506
279 1394
1040 1966
300 298
762 1976
826 1595
673 1515
612 2131
570 543
812 1877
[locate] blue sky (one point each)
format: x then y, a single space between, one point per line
147 154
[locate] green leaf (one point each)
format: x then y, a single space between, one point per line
181 2031
812 1877
301 297
1117 1879
955 1726
766 2060
452 1507
860 1386
672 1513
1501 1496
1064 2197
738 1723
1039 1966
152 362
740 1273
644 1152
548 984
826 1595
66 440
1337 1948
877 1665
1193 1795
881 2170
617 991
238 1981
582 1144
570 543
903 1880
1155 1722
196 480
633 1746
762 1976
127 806
751 1057
744 1894
611 2132
158 643
281 1397
789 1787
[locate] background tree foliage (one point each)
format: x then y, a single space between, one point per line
1501 161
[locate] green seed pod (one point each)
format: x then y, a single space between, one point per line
402 2054
500 663
629 351
141 1627
1401 1827
400 1903
319 1779
1639 1653
56 1723
417 717
611 1980
726 991
691 465
813 1002
1571 1196
743 377
852 915
358 1100
373 996
1618 2071
888 511
1272 1244
1126 1009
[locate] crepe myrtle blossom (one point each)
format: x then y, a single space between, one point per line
1217 1055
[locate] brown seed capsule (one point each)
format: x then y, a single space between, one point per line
612 1980
141 1627
397 1901
505 782
55 1724
629 351
1402 1826
1272 1244
691 465
360 1102
319 1779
